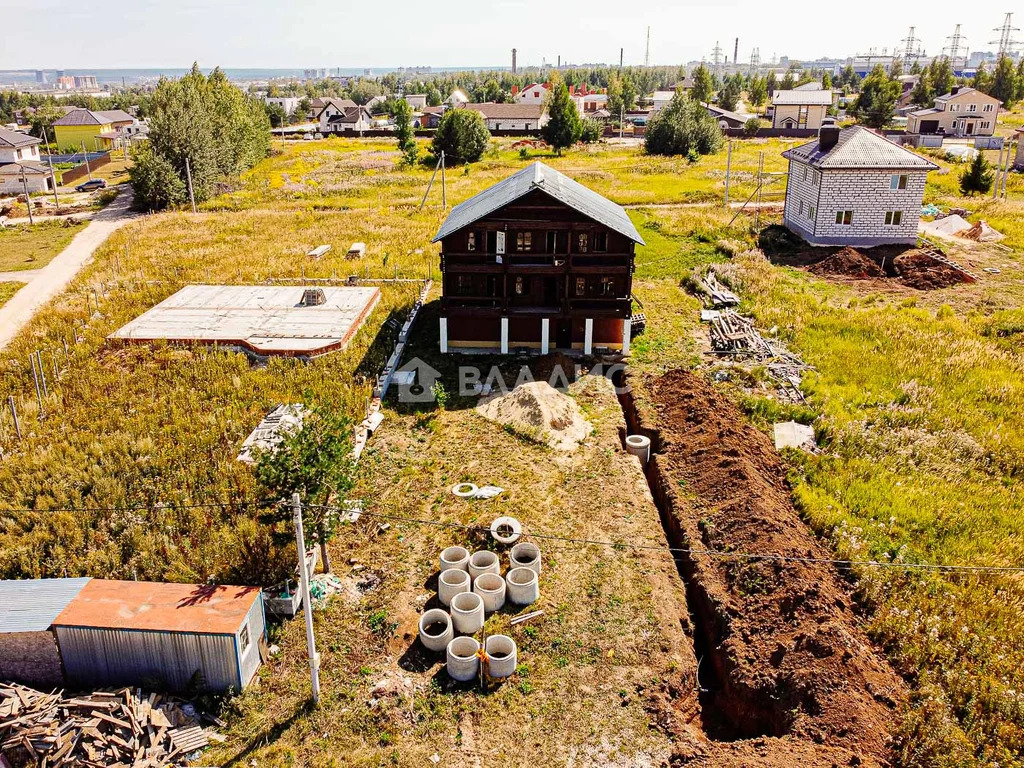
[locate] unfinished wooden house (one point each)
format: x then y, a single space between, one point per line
537 262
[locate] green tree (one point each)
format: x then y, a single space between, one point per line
44 117
303 108
462 135
978 177
315 462
788 82
923 95
434 97
276 114
730 94
915 69
771 84
703 84
758 93
826 81
1004 82
563 128
402 116
941 76
615 106
591 131
155 182
751 127
982 80
878 96
684 127
848 78
896 70
629 93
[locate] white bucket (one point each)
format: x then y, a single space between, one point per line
435 641
463 662
502 656
491 588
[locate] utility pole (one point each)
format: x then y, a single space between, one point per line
444 188
647 50
728 171
307 601
28 200
86 156
191 194
53 178
999 169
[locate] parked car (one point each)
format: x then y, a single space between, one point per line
91 184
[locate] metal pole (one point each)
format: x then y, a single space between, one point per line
14 415
1006 173
42 373
28 200
86 156
430 184
444 186
35 378
760 184
191 194
999 170
728 171
49 158
307 602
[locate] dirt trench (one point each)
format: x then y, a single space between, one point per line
785 668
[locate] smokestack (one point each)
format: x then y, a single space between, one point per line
620 57
736 52
828 137
559 61
513 61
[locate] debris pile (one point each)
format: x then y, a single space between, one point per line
982 233
735 336
929 270
850 263
720 295
537 407
118 727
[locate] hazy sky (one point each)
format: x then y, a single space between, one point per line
334 33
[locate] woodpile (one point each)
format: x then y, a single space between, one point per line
106 728
720 295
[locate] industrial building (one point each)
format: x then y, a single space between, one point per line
86 633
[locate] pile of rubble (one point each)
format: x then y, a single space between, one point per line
104 728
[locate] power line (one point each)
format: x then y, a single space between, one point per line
717 553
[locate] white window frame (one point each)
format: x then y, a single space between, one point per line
899 181
244 640
893 218
842 216
972 107
988 108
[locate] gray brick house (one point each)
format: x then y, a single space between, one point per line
853 187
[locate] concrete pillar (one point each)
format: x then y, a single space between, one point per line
504 335
444 335
588 336
627 326
545 325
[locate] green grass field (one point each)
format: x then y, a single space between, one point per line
33 246
7 290
919 399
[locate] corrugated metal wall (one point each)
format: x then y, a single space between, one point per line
251 655
113 657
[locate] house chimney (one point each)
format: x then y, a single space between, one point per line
515 90
828 137
572 90
955 90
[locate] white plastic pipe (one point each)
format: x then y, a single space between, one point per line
436 630
463 662
526 555
523 586
455 557
639 445
482 562
467 613
502 656
491 588
451 583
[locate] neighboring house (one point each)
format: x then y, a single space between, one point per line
416 100
20 164
813 85
537 262
429 117
375 101
661 99
287 103
907 85
511 117
727 119
343 115
457 98
535 93
853 187
314 108
81 127
591 102
800 109
126 129
961 112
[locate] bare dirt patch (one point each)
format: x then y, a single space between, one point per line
848 262
781 651
916 269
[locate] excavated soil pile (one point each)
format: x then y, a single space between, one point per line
783 655
850 263
916 269
537 407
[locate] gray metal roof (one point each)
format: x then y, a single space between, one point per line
813 98
858 147
551 182
31 605
17 139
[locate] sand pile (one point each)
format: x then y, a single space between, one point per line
848 262
539 409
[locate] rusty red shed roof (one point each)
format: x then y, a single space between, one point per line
157 607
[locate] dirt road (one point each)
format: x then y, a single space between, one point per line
58 274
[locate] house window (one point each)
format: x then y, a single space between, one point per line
243 639
519 286
811 211
464 285
954 107
893 218
987 108
607 286
471 242
844 217
805 173
552 242
600 242
581 286
800 208
972 107
815 178
584 242
984 124
898 181
524 241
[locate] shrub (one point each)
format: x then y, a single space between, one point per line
461 135
155 182
684 126
751 127
977 179
591 131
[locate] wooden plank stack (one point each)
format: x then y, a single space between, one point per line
124 728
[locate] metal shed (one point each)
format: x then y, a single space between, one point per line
167 636
28 650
